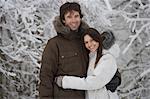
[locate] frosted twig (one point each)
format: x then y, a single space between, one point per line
145 73
148 43
132 92
133 37
7 73
108 5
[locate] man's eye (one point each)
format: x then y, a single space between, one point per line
68 16
76 16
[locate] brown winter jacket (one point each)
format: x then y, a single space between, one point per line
63 55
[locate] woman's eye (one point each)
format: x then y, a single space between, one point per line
92 40
85 42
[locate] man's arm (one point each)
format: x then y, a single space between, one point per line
48 68
115 82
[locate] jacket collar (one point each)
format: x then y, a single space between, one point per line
65 31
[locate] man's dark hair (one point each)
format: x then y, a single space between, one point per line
67 7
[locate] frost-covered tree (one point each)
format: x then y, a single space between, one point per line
26 26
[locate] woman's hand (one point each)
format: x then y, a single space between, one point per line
58 80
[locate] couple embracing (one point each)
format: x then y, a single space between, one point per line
80 62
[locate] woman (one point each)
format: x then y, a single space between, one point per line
102 68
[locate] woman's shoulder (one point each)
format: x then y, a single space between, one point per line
107 56
114 51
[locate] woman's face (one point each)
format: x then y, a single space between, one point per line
90 43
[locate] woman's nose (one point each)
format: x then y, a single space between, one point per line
89 44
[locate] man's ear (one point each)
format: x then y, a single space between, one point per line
63 21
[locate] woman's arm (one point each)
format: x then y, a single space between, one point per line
103 73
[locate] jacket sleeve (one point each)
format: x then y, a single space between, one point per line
47 71
102 74
115 82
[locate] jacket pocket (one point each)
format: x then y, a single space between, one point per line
66 55
68 61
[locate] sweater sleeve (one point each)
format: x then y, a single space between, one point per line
103 73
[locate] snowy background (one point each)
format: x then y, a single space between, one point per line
26 26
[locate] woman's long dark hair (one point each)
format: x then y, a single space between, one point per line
93 33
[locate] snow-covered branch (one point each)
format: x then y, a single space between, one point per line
108 5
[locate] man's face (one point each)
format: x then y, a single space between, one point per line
72 20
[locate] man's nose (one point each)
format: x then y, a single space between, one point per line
73 19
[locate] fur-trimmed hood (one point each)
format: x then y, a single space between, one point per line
113 50
61 29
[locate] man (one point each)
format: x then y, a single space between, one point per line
64 54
